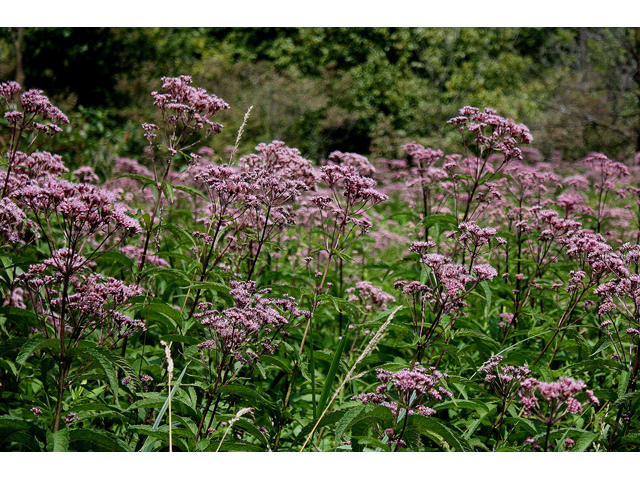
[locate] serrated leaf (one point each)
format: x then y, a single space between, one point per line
35 343
277 362
261 369
141 178
61 440
345 422
105 441
626 397
453 438
190 190
99 357
439 218
10 425
546 374
371 441
583 441
624 382
603 343
168 188
251 429
247 392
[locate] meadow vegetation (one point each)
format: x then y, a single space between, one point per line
469 294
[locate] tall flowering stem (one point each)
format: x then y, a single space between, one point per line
240 335
604 173
619 315
490 133
442 296
430 177
342 214
186 114
504 381
558 401
85 222
595 262
416 389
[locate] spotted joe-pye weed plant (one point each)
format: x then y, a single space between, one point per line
477 300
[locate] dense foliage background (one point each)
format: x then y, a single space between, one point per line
368 90
360 262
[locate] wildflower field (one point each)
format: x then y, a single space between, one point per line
483 299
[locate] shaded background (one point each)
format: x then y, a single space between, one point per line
365 90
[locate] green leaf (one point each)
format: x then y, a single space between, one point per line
439 218
326 390
97 440
448 434
61 440
347 419
99 357
626 397
277 362
18 314
371 441
190 190
231 445
220 288
624 382
467 332
583 441
251 429
169 190
546 374
10 426
247 392
148 446
180 339
603 343
35 343
145 180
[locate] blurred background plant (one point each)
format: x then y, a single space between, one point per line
366 90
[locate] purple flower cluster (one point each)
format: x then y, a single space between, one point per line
493 132
39 165
559 399
372 296
249 329
415 389
187 106
359 162
282 162
448 282
33 104
12 220
503 379
92 305
83 210
357 189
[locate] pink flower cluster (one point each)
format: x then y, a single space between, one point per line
503 379
83 209
249 329
559 399
33 104
282 162
493 132
415 388
187 106
373 297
